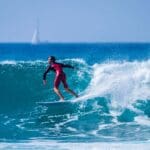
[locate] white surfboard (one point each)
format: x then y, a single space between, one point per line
53 103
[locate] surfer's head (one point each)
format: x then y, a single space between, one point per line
51 59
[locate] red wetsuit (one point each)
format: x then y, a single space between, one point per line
60 75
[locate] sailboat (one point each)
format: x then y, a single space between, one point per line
35 37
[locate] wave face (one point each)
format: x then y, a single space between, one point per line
113 104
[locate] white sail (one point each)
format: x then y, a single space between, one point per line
35 38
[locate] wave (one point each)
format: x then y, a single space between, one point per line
122 83
21 82
113 95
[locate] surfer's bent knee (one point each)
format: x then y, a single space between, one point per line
56 89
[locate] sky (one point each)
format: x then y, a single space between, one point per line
75 20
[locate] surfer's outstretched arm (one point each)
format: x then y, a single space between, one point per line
45 73
67 66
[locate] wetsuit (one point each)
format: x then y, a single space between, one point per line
60 75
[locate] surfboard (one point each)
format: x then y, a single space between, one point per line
53 103
59 107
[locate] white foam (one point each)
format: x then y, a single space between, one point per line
8 62
142 120
122 82
15 62
51 145
78 60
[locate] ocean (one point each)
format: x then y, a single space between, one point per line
113 108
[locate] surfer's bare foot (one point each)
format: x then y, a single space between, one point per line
71 91
62 99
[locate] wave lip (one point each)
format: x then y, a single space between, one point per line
14 62
122 82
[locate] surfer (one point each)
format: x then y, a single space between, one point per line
60 76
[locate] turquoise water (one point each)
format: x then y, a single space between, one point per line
113 81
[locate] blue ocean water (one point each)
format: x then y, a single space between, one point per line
112 79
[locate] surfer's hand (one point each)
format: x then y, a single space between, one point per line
44 82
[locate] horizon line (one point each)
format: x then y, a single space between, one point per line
75 42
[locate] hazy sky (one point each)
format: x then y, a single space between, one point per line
75 20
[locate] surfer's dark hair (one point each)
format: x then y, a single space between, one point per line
52 58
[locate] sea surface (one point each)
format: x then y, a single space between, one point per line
112 111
